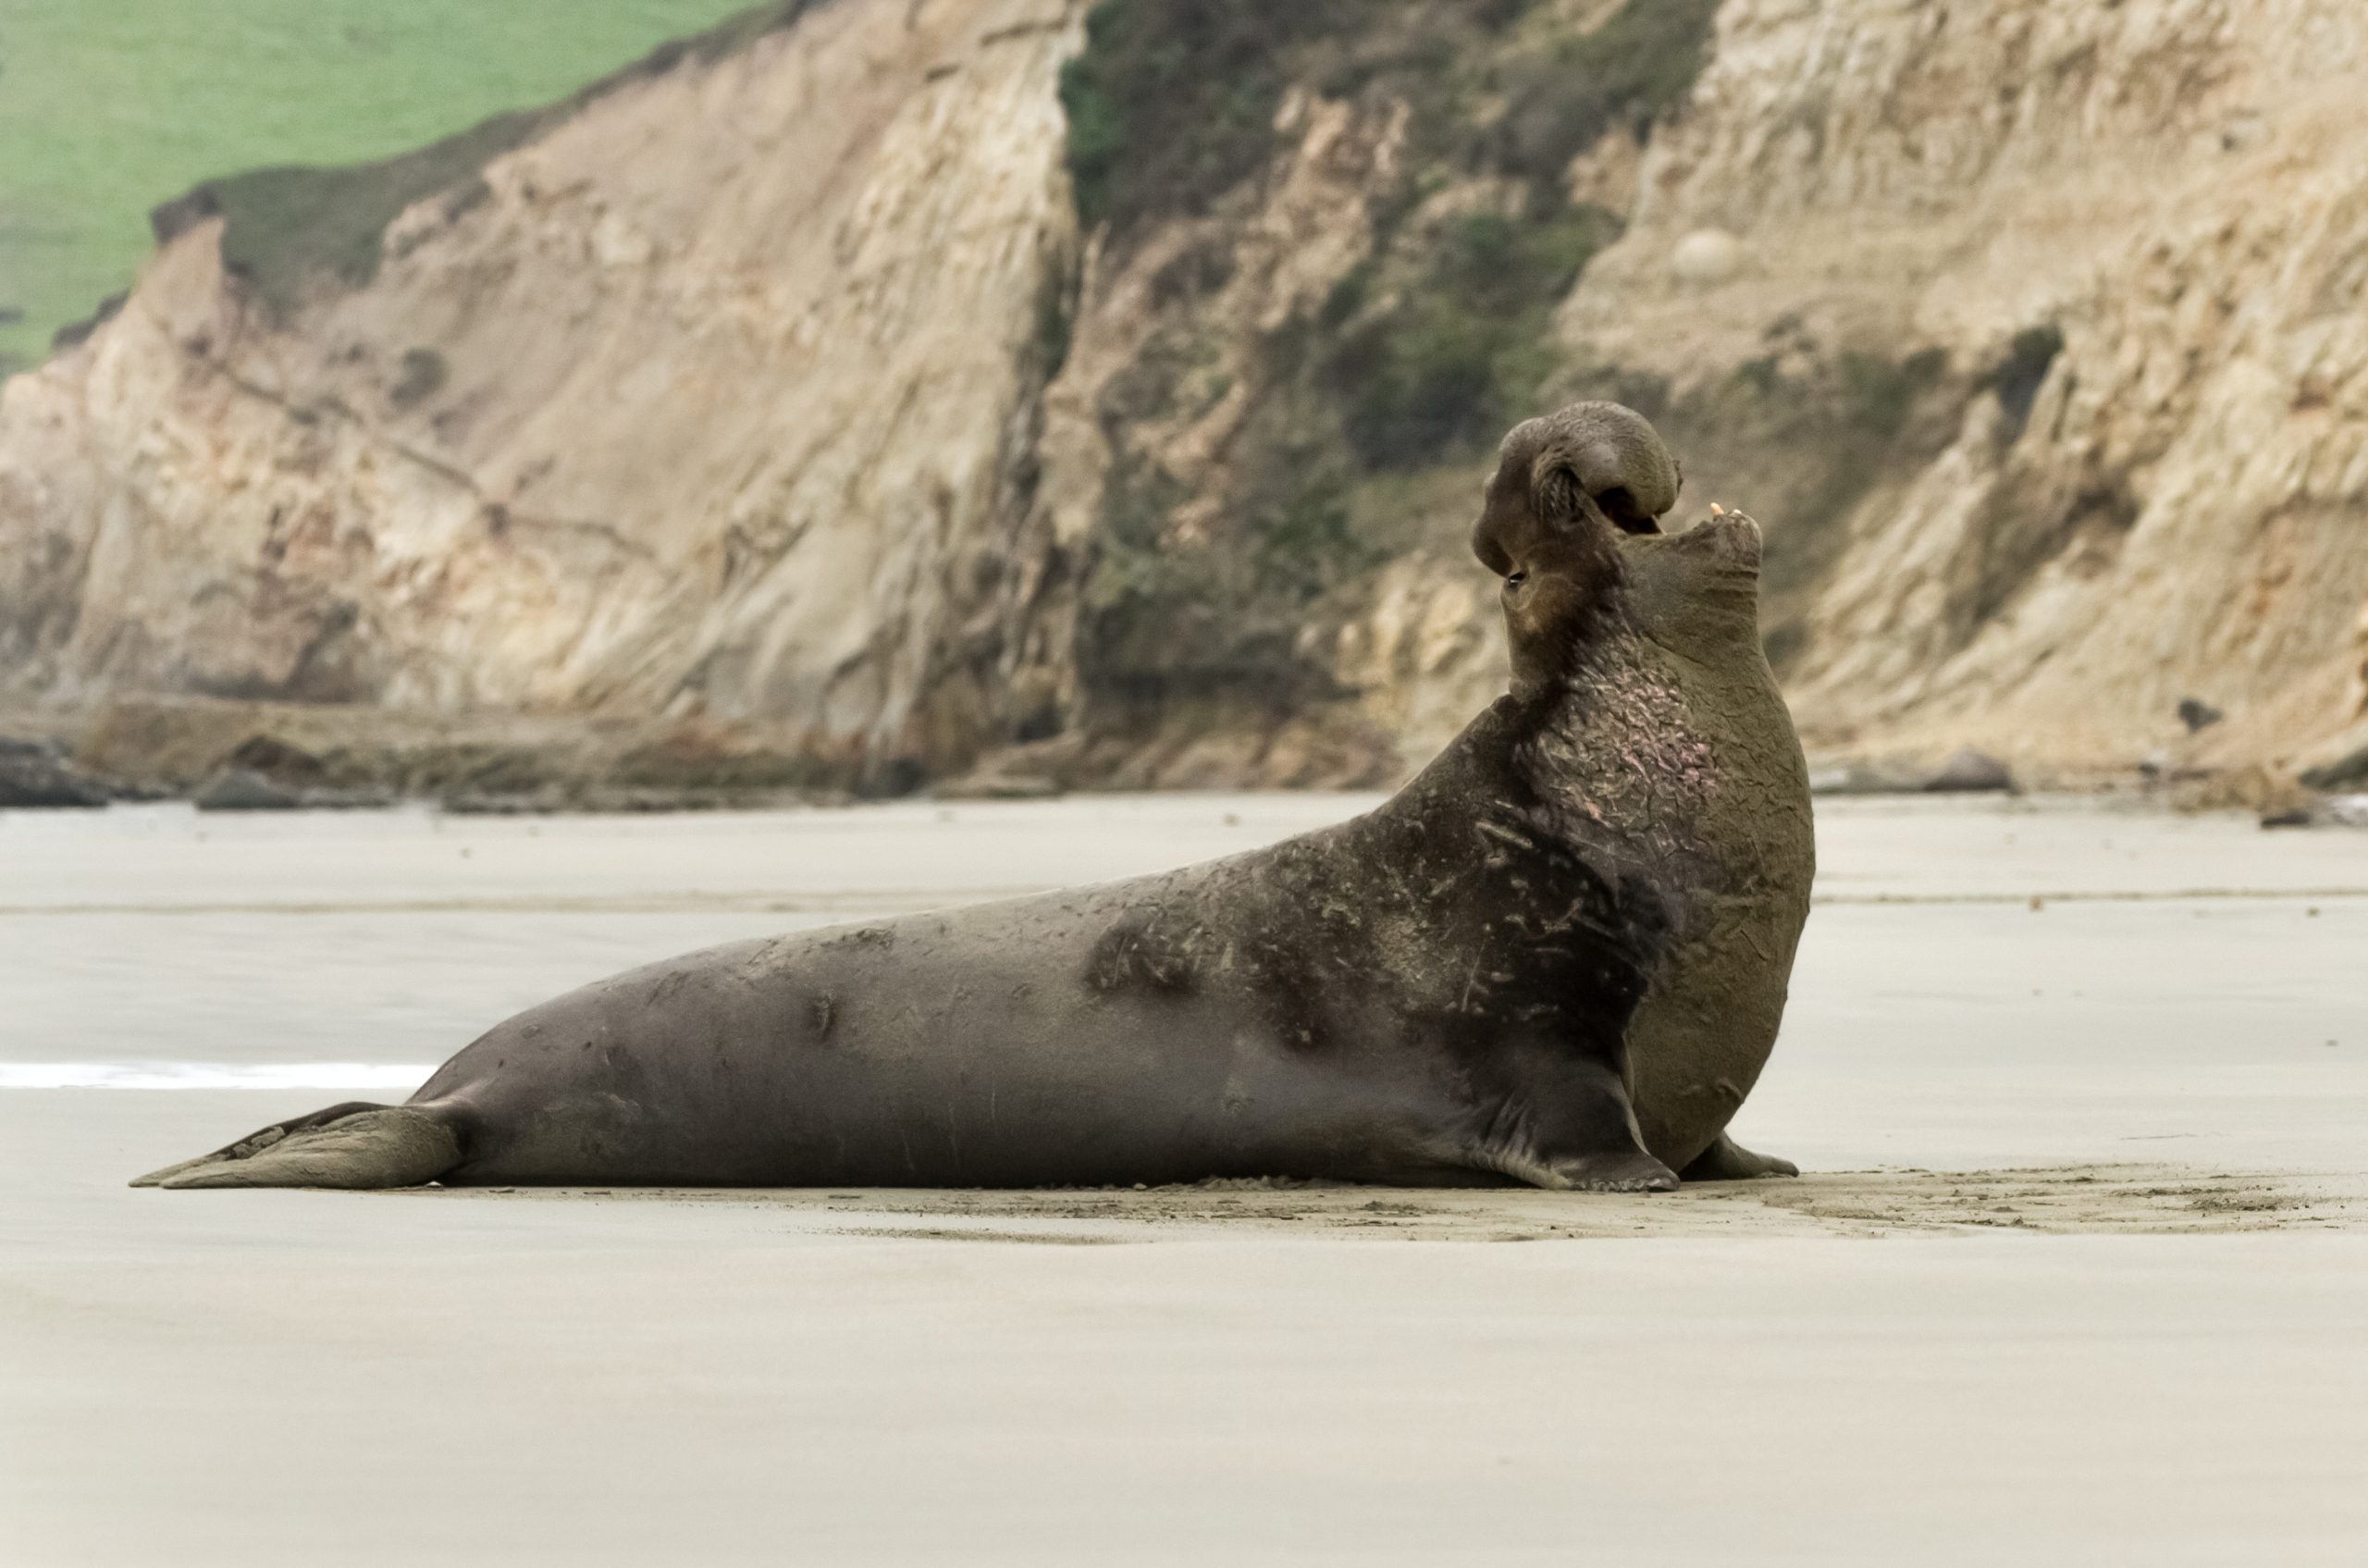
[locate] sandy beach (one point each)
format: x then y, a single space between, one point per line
2078 1273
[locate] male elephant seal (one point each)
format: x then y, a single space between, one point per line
1445 990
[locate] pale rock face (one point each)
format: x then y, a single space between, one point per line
1605 175
733 376
1430 651
2180 187
1707 255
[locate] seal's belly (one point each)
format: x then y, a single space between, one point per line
974 1048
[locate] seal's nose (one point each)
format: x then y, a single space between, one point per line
1732 537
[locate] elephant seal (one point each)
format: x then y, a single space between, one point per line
1691 604
1443 991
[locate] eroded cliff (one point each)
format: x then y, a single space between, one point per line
710 393
909 381
2114 257
2032 330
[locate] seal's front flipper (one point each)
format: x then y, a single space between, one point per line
356 1146
1625 1171
1726 1160
1570 1127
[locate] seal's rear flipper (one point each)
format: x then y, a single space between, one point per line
356 1145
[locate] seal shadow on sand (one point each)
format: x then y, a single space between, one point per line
2135 1199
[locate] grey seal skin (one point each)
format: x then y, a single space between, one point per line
1440 991
1697 690
1707 1027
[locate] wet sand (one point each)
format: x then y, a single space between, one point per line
2081 1273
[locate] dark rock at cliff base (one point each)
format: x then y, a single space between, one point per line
243 789
2336 811
1866 778
2349 771
520 803
265 773
997 785
1969 771
33 775
268 757
1966 772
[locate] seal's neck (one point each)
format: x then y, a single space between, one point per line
1612 758
1572 602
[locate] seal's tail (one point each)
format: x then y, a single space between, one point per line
355 1144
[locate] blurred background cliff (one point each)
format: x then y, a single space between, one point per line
1009 395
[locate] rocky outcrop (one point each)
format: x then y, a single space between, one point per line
712 395
882 385
2113 258
2032 331
32 775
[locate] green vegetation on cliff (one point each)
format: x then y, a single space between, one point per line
1451 363
107 110
1422 355
1638 66
1173 102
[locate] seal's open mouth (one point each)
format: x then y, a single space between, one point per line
1625 514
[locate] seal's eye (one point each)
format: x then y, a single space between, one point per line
1515 579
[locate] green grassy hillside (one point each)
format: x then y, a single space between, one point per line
108 107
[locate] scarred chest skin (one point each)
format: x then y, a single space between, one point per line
1729 756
